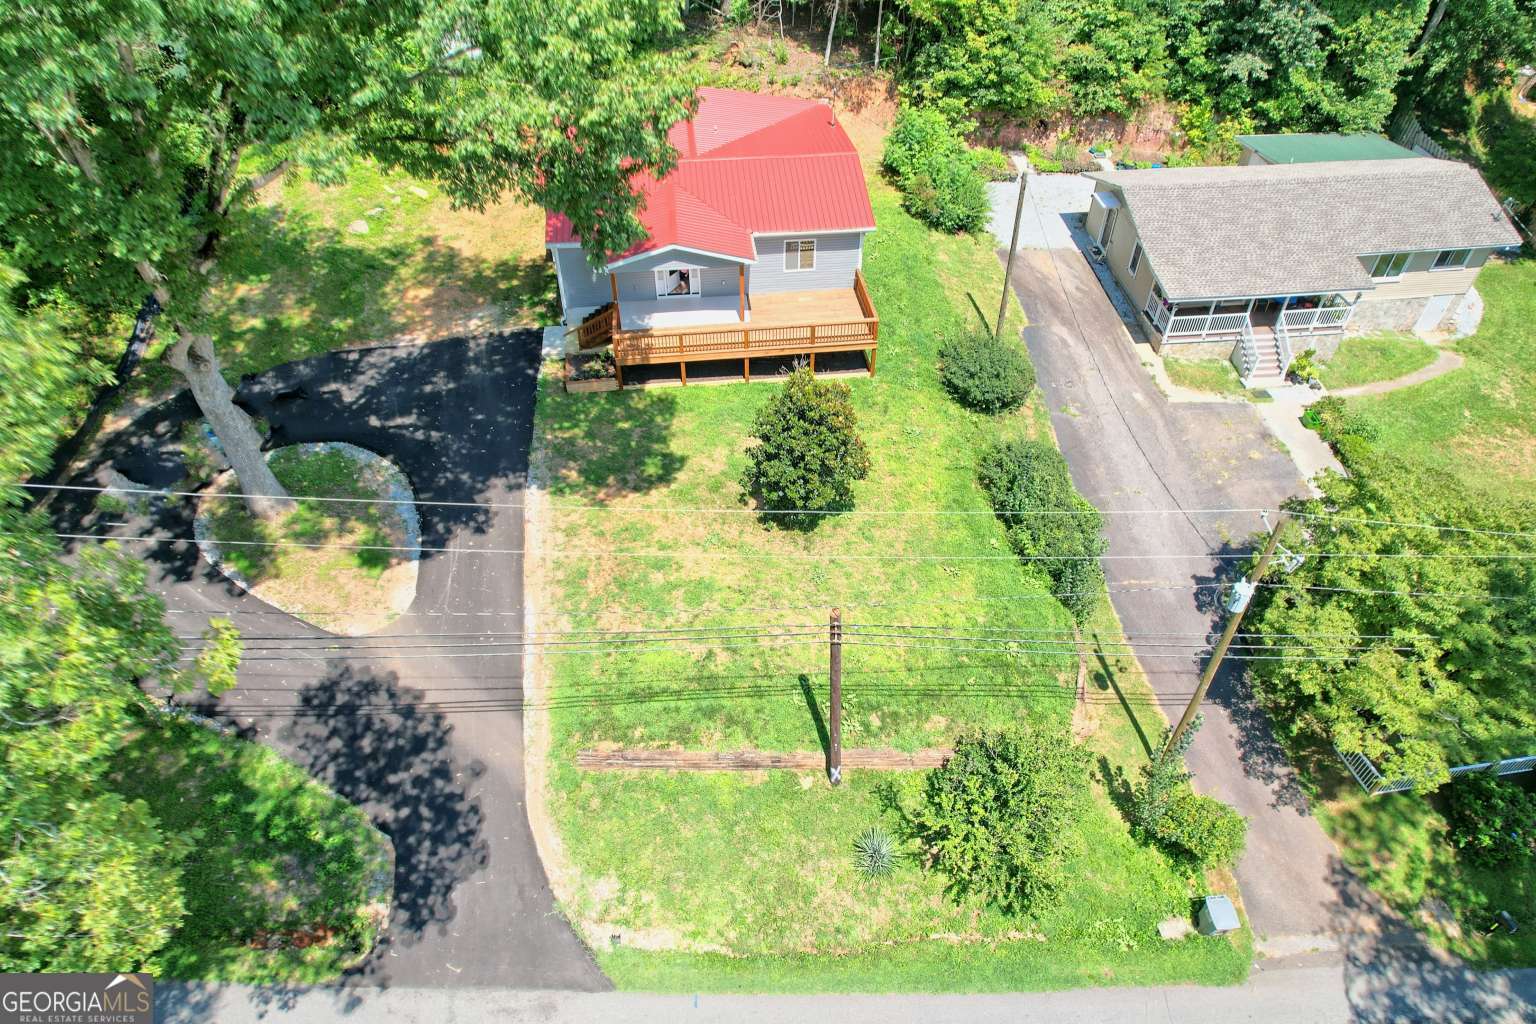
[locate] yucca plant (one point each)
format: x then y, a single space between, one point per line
875 852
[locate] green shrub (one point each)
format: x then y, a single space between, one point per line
874 852
1202 828
1304 365
1493 821
1160 780
936 172
780 52
109 504
993 164
1023 477
809 452
998 817
1040 162
986 372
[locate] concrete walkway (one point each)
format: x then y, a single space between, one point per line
1444 363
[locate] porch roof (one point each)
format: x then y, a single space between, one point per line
1292 229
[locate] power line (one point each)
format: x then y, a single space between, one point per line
791 556
742 510
761 644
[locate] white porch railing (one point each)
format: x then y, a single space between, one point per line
1245 357
1283 347
1185 325
1158 313
1322 318
1373 782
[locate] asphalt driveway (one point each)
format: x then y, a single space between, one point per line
1130 449
428 740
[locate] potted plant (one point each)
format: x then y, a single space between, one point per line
1304 369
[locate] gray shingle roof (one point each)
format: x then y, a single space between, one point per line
1278 229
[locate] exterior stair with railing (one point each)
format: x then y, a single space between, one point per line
1262 357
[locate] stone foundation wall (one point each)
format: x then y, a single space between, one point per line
1386 315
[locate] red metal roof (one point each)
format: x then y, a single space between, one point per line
748 162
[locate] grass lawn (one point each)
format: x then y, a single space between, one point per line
358 590
281 882
1217 376
1477 425
1374 357
1398 844
1473 429
735 881
294 281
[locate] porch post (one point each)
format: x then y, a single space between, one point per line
741 279
613 284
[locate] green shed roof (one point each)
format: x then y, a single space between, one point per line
1303 148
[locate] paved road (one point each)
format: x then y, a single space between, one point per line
1386 992
1128 448
430 746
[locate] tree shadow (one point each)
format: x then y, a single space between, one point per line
612 444
366 737
1116 784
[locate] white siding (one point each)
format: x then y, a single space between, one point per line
580 285
837 257
1420 281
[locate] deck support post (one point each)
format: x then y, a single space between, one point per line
618 373
746 369
613 285
872 354
683 368
813 364
741 279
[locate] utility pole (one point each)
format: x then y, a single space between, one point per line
835 714
1013 247
1220 653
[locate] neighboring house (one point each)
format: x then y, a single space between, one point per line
1307 148
753 249
1268 259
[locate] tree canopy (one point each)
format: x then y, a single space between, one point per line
132 135
1291 65
1418 644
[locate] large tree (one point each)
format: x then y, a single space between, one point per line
132 131
88 881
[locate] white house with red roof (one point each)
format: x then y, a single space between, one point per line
757 235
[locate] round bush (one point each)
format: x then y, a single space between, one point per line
809 452
986 373
1207 830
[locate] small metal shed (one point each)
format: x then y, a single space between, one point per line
1218 916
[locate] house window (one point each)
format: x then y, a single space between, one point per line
800 254
1452 259
1134 263
1389 265
682 282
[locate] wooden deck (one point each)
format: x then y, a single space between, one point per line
781 324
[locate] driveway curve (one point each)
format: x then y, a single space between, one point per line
422 731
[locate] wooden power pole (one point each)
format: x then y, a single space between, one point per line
1220 653
1013 247
835 712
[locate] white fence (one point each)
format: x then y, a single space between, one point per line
1376 784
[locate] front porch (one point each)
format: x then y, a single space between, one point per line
1289 316
767 326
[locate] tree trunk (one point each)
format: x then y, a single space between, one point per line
826 59
1434 23
194 357
879 21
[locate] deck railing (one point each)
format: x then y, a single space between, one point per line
746 341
